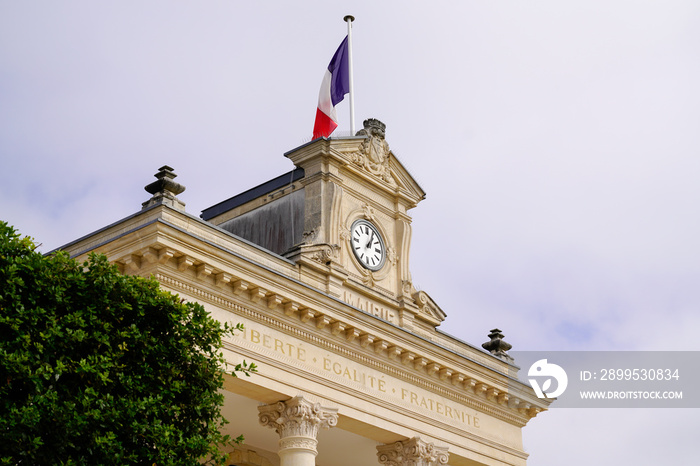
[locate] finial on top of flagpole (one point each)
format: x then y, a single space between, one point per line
350 18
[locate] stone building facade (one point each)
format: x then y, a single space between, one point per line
315 264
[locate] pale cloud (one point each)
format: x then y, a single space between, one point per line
557 143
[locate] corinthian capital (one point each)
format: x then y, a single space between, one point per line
297 417
413 452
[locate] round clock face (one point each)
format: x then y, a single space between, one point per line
367 244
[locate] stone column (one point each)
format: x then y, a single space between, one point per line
297 422
413 452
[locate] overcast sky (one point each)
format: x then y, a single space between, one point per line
557 142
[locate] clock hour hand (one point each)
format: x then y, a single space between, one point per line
371 238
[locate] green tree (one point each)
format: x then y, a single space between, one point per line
97 367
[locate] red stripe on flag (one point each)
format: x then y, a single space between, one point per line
323 126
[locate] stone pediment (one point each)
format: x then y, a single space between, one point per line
428 310
367 155
405 181
374 157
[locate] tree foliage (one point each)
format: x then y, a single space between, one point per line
97 367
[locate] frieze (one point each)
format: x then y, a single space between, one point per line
346 372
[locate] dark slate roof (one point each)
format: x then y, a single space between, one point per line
253 193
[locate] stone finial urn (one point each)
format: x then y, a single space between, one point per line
497 345
164 190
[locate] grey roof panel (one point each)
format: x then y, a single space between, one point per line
253 193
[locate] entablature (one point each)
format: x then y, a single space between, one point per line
191 256
181 254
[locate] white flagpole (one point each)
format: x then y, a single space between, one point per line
349 19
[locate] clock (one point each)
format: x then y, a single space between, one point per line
367 245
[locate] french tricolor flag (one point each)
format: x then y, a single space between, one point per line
336 83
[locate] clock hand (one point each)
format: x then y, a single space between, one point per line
371 237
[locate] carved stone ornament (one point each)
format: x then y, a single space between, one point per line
374 153
413 452
428 308
391 256
298 443
326 253
297 417
164 190
368 212
368 278
497 345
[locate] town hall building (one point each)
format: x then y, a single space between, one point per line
315 264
